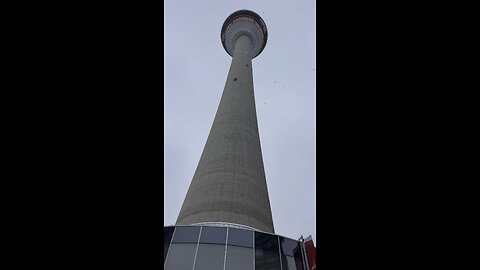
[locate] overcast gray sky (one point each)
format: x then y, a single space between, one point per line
284 74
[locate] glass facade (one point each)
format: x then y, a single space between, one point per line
210 257
167 233
211 248
186 234
291 254
267 255
213 235
181 256
240 238
239 250
225 248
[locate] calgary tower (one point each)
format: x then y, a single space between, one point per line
225 222
229 183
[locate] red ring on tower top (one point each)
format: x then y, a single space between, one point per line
257 30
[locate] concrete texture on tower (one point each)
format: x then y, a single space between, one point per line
229 183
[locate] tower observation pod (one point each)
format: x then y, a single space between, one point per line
229 185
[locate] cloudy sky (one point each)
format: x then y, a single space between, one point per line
195 70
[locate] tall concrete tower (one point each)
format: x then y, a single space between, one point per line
229 184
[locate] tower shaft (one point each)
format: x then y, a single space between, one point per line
229 183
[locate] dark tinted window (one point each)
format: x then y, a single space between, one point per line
289 247
265 241
241 238
213 235
267 256
210 256
291 254
188 234
291 263
239 258
167 236
181 256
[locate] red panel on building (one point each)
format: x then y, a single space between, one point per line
311 253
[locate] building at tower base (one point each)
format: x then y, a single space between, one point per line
230 247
